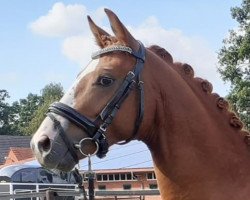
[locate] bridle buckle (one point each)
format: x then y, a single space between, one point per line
103 129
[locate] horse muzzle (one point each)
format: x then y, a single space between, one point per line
52 153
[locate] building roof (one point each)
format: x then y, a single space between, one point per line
8 141
18 154
22 153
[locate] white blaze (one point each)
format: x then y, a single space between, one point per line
68 98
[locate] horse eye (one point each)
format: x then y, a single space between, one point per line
105 81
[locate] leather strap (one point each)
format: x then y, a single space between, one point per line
64 137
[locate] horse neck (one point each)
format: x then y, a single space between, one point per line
192 143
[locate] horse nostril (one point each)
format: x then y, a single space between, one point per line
44 144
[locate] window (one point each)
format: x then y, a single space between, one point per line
101 187
151 176
46 176
111 177
16 178
127 187
153 186
99 177
29 176
123 177
129 177
117 177
104 177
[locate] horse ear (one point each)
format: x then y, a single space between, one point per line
99 33
120 31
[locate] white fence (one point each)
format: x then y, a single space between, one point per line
35 191
63 190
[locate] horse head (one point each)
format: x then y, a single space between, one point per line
104 106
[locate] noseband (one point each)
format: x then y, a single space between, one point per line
96 129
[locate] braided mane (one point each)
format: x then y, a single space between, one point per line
203 88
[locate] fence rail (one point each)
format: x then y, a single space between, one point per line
38 194
127 192
33 190
78 193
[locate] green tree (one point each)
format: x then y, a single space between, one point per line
50 93
7 115
234 59
24 117
24 111
4 112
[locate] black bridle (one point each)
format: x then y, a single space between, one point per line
96 132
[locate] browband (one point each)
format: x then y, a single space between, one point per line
97 54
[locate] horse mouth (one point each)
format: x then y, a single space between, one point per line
59 162
53 161
54 155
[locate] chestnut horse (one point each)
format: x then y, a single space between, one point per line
199 149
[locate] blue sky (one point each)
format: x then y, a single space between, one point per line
49 41
31 58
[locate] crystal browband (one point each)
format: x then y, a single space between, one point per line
97 54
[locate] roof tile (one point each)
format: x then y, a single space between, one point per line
7 141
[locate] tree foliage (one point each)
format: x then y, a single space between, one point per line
25 109
50 93
7 125
4 108
23 117
234 59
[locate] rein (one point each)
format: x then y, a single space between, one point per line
95 132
